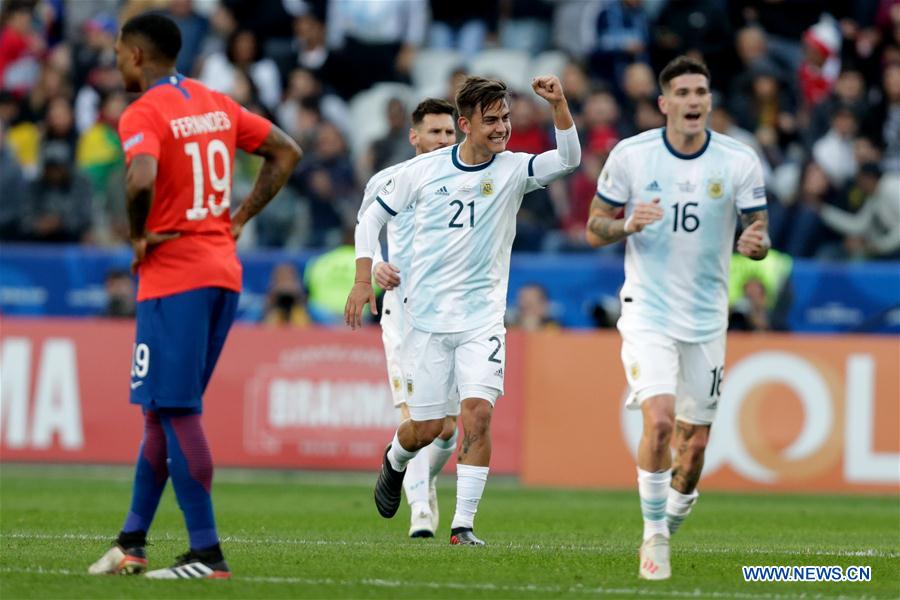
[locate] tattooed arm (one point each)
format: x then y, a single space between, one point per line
754 241
604 227
282 154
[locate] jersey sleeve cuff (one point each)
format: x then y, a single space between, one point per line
385 206
750 209
610 201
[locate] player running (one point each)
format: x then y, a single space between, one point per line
180 139
466 198
681 187
432 128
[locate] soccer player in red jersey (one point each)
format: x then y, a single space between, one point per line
180 139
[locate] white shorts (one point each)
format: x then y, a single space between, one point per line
393 324
431 361
657 364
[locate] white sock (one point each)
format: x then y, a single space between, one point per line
470 482
398 456
654 489
439 452
416 480
679 506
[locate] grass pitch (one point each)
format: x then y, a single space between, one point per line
317 535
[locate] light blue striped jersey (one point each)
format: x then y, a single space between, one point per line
676 270
464 225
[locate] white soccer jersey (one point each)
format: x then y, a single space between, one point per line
399 229
676 270
464 225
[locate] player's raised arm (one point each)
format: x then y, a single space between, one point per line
281 155
561 161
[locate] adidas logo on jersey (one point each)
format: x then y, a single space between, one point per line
498 372
442 191
653 187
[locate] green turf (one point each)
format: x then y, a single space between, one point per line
317 535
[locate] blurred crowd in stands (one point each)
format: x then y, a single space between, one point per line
812 85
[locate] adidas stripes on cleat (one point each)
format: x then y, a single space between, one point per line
463 536
193 565
388 488
120 561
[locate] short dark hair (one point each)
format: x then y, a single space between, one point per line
431 106
159 30
479 91
681 65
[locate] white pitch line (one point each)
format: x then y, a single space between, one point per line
482 587
864 553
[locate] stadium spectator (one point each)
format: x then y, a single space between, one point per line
243 54
849 92
874 230
12 182
372 42
286 299
194 28
532 311
601 120
802 233
766 108
58 205
882 123
525 24
463 25
120 295
21 47
328 277
622 32
834 151
700 28
578 87
821 62
325 179
393 147
759 292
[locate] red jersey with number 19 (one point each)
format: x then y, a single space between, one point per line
192 132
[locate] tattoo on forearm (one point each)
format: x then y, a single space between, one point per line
748 219
607 229
281 155
272 177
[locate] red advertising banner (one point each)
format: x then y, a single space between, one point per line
303 398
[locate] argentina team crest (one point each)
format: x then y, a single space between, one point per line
487 187
715 188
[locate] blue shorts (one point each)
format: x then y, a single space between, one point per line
178 341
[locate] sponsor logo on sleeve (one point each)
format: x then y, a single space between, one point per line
133 141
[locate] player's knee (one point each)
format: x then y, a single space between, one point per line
449 428
477 416
427 431
659 428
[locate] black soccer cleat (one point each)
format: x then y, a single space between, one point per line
464 536
388 488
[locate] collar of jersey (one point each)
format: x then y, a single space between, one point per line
175 80
462 167
681 155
